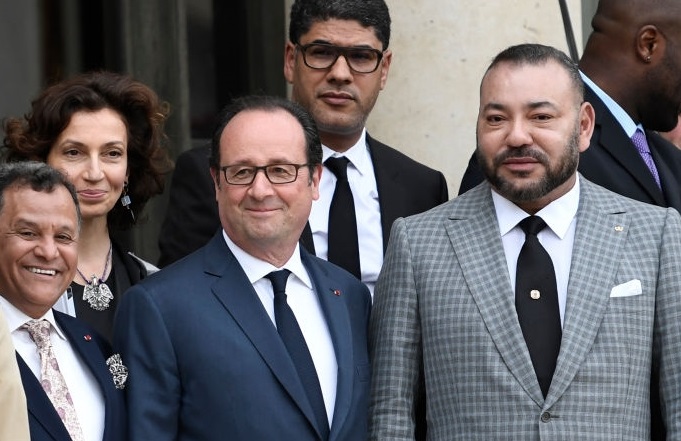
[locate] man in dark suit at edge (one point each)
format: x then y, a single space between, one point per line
631 67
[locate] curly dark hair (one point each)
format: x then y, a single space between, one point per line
33 136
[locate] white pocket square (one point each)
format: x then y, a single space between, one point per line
627 289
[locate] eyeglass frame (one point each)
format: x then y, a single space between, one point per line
341 51
264 168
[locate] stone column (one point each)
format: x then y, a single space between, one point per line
155 52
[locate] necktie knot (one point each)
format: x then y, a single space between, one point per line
532 225
279 279
339 167
639 140
39 331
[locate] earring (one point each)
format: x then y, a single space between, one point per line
125 201
648 59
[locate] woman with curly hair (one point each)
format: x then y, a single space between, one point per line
104 131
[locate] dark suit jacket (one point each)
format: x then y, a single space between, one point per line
45 424
405 187
206 362
192 214
613 162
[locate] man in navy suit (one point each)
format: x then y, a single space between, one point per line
205 338
70 385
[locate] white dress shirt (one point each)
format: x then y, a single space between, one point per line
367 209
87 396
558 238
303 300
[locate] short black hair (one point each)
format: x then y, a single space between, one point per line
37 176
535 54
268 104
369 13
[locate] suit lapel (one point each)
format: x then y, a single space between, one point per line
233 289
39 405
83 342
615 141
306 239
474 233
666 157
596 253
338 321
87 349
390 198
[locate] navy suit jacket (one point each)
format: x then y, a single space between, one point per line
613 162
206 362
405 187
44 423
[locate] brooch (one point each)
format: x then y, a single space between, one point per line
118 370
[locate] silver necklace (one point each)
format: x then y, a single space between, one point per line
96 293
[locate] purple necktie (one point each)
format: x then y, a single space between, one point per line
639 140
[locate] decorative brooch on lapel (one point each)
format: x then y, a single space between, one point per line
118 370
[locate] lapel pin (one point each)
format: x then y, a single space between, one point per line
87 337
336 292
619 228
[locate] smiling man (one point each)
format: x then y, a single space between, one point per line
251 338
69 388
538 304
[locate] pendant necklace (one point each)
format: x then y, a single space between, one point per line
96 293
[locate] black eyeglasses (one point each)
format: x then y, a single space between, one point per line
323 56
275 173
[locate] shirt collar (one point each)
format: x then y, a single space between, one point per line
617 111
256 269
17 318
558 214
358 154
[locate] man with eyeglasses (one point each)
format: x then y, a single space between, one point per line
251 337
337 61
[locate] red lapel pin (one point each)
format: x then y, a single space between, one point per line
87 337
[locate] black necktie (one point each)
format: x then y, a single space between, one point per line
536 302
343 244
293 339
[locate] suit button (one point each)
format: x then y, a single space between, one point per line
545 417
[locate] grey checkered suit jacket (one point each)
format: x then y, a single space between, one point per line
444 301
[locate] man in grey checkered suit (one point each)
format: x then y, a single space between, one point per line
446 319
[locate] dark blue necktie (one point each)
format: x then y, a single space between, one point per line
343 240
536 302
293 339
